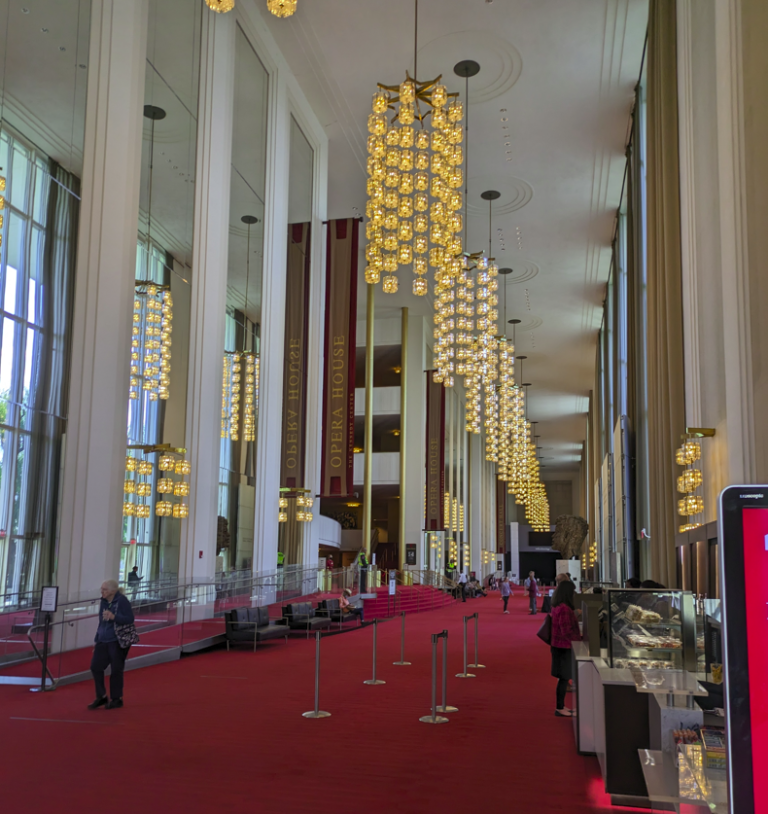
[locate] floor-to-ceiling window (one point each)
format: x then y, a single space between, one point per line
242 342
42 119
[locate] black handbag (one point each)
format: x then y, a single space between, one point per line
126 635
545 631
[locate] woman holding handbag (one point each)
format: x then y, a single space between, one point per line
532 587
114 637
565 629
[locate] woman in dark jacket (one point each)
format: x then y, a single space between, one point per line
565 629
115 609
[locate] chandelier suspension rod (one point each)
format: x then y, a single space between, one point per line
466 162
416 41
247 279
149 192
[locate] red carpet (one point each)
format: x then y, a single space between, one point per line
223 731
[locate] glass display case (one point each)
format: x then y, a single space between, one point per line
651 629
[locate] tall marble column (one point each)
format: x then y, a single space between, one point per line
88 547
197 560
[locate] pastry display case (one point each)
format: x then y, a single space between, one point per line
651 629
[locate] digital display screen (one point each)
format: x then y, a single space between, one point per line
755 525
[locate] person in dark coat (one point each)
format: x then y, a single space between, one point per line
115 609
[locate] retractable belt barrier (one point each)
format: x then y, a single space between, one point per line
402 661
317 712
466 674
477 660
374 680
434 718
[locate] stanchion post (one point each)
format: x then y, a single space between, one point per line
317 712
444 707
46 631
434 718
477 660
374 680
465 674
402 662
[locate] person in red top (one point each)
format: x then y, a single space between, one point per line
565 629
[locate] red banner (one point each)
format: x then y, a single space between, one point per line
295 358
340 347
501 516
434 520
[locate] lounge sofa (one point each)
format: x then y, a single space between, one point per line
302 616
252 625
331 609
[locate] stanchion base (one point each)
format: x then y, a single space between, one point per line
438 719
319 714
402 663
374 681
465 675
475 666
448 709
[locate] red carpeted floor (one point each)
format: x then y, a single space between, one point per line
223 731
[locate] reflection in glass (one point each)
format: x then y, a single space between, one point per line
234 544
164 258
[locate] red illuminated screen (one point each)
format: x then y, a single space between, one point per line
756 596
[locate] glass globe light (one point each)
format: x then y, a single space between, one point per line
380 101
280 8
372 275
419 286
389 284
439 95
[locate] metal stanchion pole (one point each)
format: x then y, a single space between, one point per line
434 718
476 664
374 680
465 674
402 661
317 712
444 707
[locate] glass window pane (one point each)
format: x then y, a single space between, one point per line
15 255
19 490
30 357
31 301
7 358
20 173
9 301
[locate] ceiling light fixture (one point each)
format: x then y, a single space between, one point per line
220 6
282 8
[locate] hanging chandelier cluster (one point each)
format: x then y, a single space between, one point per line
690 483
414 201
151 341
138 484
241 374
299 502
280 8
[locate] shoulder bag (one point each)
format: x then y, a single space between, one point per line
126 635
545 631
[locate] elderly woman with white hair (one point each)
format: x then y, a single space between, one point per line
115 634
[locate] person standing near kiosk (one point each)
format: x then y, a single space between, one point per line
362 564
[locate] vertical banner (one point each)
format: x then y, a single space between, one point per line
340 346
434 520
501 516
295 357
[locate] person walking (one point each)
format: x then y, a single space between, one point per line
133 581
463 579
532 587
565 629
506 592
115 611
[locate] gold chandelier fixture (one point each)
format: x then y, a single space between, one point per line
298 502
691 482
282 8
151 341
138 486
220 6
241 370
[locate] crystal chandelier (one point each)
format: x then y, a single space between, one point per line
241 374
138 483
151 341
282 8
299 502
689 482
220 6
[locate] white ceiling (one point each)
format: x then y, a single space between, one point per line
562 72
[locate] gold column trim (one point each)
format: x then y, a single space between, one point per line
368 442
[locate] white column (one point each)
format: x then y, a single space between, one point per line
272 330
412 499
734 258
197 561
476 497
88 550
